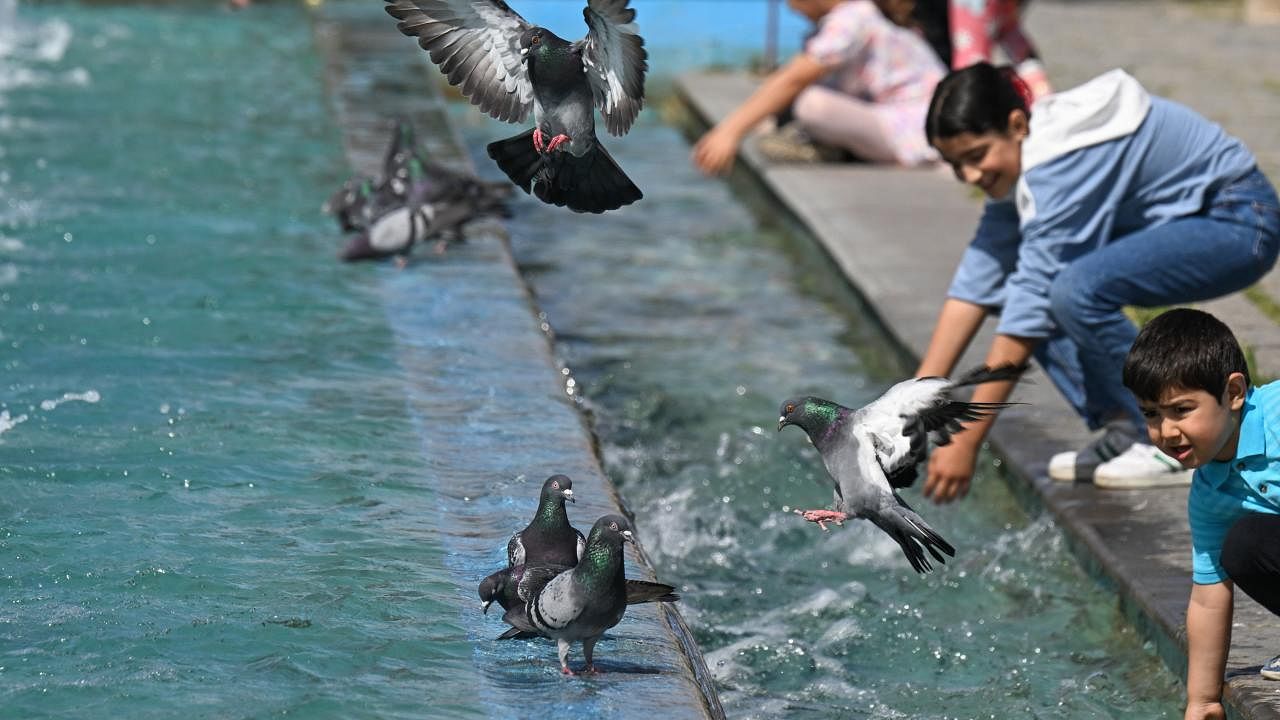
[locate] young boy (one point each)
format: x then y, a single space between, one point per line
1192 385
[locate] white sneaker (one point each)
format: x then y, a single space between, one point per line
1141 466
1071 466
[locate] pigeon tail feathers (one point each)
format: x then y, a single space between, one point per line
590 183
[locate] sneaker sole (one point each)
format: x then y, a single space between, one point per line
1139 483
1270 674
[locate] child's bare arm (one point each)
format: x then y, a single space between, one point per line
1208 639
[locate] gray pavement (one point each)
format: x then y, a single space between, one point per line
897 235
374 75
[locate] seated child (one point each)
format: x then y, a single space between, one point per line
862 84
1192 385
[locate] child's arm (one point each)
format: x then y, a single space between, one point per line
1208 639
951 466
714 153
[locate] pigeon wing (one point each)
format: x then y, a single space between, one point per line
615 62
556 606
476 44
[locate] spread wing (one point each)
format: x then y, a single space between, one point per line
908 415
476 44
614 58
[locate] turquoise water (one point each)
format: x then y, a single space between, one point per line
218 496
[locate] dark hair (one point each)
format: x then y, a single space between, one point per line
977 99
1183 348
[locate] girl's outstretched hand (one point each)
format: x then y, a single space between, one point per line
950 472
714 153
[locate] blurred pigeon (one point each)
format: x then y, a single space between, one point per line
432 207
548 538
512 587
352 204
508 67
584 602
872 452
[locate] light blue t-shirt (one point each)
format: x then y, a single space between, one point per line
1168 168
1223 492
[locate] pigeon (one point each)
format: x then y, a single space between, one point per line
549 538
352 205
512 587
873 452
508 67
582 603
432 206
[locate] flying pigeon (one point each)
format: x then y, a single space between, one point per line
872 452
548 539
512 587
508 67
582 603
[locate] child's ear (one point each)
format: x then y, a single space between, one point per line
1236 389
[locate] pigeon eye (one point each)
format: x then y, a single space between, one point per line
613 526
535 39
555 485
790 409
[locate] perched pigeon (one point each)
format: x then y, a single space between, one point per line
432 207
548 539
508 67
352 205
872 452
512 587
584 602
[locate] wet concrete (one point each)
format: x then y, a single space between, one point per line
898 234
525 422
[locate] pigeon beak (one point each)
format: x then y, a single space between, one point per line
627 537
568 495
524 52
485 606
782 422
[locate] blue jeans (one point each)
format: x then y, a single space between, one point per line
1225 248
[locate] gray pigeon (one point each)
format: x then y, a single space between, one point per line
583 603
872 452
512 587
548 539
508 67
419 206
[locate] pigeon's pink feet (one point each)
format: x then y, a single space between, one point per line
564 670
557 141
402 262
822 517
538 143
440 246
591 670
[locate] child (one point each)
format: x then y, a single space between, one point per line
1190 379
1102 196
862 84
977 26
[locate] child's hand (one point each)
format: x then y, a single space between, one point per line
1205 711
950 471
715 152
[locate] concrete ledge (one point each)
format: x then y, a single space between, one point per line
469 320
897 235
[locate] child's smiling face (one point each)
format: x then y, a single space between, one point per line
1192 426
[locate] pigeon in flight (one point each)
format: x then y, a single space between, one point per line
584 602
508 67
549 539
512 587
872 452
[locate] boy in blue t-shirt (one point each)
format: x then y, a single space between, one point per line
1191 381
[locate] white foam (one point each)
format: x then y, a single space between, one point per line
89 396
8 423
8 274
